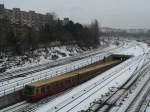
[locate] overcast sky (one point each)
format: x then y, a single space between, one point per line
112 13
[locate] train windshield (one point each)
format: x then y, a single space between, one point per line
29 90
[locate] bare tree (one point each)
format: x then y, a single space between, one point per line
95 32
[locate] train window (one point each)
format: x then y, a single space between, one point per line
47 88
57 84
29 90
43 90
68 80
62 83
52 86
37 91
71 79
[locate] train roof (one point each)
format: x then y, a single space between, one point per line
70 74
52 80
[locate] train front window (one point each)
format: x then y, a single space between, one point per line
29 90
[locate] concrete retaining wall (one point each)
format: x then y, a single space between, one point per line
10 99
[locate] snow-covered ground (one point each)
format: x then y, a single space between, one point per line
101 84
40 56
9 86
79 98
49 54
74 101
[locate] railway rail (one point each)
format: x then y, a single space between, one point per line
135 101
36 68
105 80
116 97
88 92
33 108
139 98
15 85
145 104
25 106
10 86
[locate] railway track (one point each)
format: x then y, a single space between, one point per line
36 68
145 104
136 100
33 107
15 107
88 92
139 98
11 86
114 97
30 109
33 69
18 84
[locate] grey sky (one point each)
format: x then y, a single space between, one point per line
112 13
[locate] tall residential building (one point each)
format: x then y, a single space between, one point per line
1 10
30 18
66 21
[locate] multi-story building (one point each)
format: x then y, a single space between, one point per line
66 21
30 18
1 10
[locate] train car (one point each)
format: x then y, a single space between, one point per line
40 89
35 91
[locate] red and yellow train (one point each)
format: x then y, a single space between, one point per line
40 89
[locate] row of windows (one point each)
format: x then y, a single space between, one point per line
56 85
66 82
29 90
62 83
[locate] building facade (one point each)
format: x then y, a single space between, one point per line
30 18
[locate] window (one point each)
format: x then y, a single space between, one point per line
37 91
29 90
43 90
62 83
47 88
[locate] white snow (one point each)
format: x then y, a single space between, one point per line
101 84
70 101
148 109
7 87
83 103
